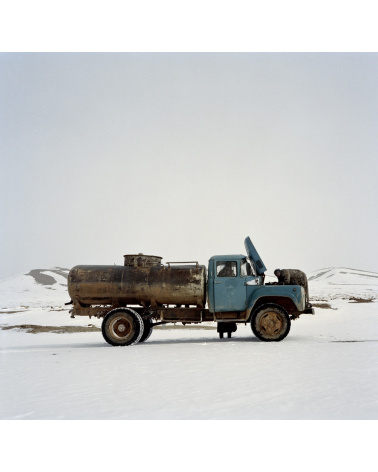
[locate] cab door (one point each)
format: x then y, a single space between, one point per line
230 290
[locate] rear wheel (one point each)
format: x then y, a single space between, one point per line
270 323
147 330
122 327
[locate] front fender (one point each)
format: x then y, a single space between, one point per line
273 292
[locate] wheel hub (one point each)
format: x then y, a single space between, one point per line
271 323
121 327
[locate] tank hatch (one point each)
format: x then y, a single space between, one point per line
141 260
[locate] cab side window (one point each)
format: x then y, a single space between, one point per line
226 269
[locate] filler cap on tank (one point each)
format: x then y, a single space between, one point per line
141 260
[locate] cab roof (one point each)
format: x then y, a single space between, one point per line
228 257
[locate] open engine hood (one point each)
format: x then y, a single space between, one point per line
254 257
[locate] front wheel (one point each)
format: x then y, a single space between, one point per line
122 327
270 323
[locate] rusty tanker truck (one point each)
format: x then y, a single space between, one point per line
144 293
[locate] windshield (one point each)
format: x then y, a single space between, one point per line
245 268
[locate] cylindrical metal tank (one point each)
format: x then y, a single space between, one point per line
150 283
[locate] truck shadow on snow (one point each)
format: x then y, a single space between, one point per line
201 340
55 349
150 344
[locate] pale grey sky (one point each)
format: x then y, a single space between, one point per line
183 155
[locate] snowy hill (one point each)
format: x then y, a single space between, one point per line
342 282
37 288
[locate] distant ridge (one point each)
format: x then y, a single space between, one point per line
343 282
350 275
48 287
46 276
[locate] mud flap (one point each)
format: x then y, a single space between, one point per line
309 311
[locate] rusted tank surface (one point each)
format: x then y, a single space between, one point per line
142 260
143 281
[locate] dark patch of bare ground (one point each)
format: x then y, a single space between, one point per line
34 329
360 300
12 311
41 278
323 305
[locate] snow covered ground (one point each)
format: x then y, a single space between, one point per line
325 369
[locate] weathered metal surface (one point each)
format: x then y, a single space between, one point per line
141 260
130 285
231 315
96 311
187 315
270 323
290 297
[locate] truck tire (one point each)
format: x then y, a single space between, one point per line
270 322
147 330
122 327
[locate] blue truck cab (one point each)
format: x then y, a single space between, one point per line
237 293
